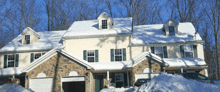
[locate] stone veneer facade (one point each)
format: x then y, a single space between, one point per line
139 68
58 66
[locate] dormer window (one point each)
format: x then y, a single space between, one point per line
104 24
27 39
171 30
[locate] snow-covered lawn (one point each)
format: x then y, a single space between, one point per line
170 83
9 87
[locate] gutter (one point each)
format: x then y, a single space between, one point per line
95 36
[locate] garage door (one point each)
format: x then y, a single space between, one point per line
145 75
73 84
41 84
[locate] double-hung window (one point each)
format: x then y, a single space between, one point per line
11 60
118 54
188 51
160 51
171 30
36 55
27 39
104 24
90 55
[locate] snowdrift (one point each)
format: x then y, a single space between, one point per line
10 87
170 83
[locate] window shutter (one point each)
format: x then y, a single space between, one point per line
182 51
195 51
125 79
113 80
16 60
124 54
5 61
96 56
152 49
84 54
112 55
165 51
32 57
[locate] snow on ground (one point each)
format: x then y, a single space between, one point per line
170 83
9 87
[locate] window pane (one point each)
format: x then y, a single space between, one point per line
160 55
118 52
171 30
104 24
10 57
37 55
11 64
188 48
158 50
27 39
90 59
188 54
118 58
91 53
119 77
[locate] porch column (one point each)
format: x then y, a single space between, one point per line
181 70
128 78
206 73
108 79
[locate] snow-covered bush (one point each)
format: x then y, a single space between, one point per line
10 87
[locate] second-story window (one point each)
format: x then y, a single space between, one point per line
188 51
11 60
104 24
90 55
160 51
27 39
118 54
37 55
171 30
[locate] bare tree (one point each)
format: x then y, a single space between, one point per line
212 11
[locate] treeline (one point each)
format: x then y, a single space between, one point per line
51 15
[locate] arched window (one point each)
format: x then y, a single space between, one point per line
147 70
41 75
73 73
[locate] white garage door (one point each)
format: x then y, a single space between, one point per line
145 75
41 84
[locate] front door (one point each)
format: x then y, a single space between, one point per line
98 83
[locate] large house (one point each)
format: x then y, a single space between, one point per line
105 52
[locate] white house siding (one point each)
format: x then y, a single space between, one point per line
102 44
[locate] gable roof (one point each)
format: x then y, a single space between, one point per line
31 30
150 34
50 54
48 40
138 59
90 28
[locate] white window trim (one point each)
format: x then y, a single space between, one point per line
8 58
162 50
87 52
188 51
119 81
118 55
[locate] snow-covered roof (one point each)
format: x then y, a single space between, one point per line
148 34
11 71
184 62
48 40
90 28
51 53
102 66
